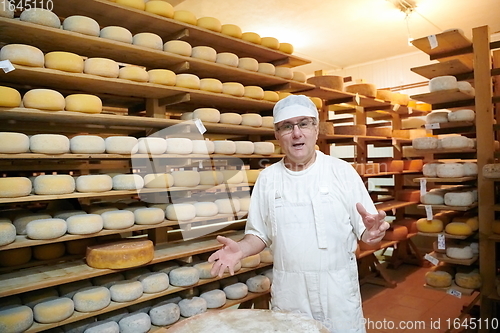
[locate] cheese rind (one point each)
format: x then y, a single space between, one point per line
40 16
54 310
137 4
210 23
185 16
187 178
101 67
87 144
117 219
162 76
204 52
458 228
15 257
151 145
135 323
251 119
230 118
92 299
154 282
251 37
21 54
459 198
46 228
233 88
161 8
13 187
159 180
184 276
84 103
44 99
214 298
54 184
438 279
459 252
64 61
212 85
121 254
227 58
231 30
116 33
258 284
451 170
7 233
432 226
364 89
446 82
263 148
462 115
425 143
207 114
249 64
192 306
94 183
180 212
133 73
164 314
178 47
82 24
125 291
284 72
189 81
149 215
84 224
236 291
121 145
148 40
16 319
250 261
128 182
9 97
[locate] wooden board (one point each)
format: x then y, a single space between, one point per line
450 67
393 204
449 125
439 151
444 258
444 96
445 179
446 235
445 207
30 156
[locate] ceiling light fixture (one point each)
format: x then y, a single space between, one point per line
406 6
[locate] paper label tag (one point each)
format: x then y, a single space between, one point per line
433 42
431 259
357 99
410 110
423 186
7 66
428 212
432 126
200 126
396 107
200 164
441 242
394 141
454 292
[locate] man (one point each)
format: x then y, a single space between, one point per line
309 208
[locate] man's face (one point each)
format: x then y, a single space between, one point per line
297 137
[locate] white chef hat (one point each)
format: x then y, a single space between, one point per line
294 106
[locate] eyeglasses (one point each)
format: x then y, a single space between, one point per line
303 125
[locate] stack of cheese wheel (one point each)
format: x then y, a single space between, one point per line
440 83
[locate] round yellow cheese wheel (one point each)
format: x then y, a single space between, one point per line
435 225
101 67
83 103
44 99
15 257
299 76
227 58
133 73
210 23
162 76
230 118
283 94
148 40
17 318
249 64
233 88
270 42
161 8
267 68
212 85
204 52
271 96
137 4
49 251
458 228
251 37
39 16
284 72
82 24
178 47
231 30
185 16
12 187
9 97
119 34
190 81
286 48
254 92
21 54
54 184
64 61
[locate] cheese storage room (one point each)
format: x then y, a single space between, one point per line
234 166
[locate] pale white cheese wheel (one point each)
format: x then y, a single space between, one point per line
450 170
249 64
228 206
214 298
162 76
125 291
271 96
189 81
228 59
202 147
187 116
254 92
251 119
233 88
116 33
21 54
53 310
233 176
84 224
266 68
425 143
82 24
268 121
54 184
211 177
462 115
87 144
154 282
46 228
446 82
455 142
102 67
117 219
437 117
226 147
164 313
230 118
148 40
204 52
64 61
7 233
236 291
430 169
149 215
158 180
178 47
128 182
14 143
16 318
432 198
470 169
40 16
258 284
459 252
263 148
21 221
186 178
102 327
244 147
284 72
44 99
466 87
135 322
459 199
49 144
133 73
182 146
192 306
84 103
12 187
9 97
180 212
121 145
91 299
151 145
204 269
94 183
161 8
206 209
184 276
207 114
299 76
8 12
212 85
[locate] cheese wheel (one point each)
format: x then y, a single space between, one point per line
204 269
91 299
258 284
435 225
178 47
284 72
432 198
266 68
204 52
231 30
117 33
236 291
425 143
472 222
263 148
233 176
214 298
181 146
268 121
251 37
470 169
458 228
84 224
121 145
164 313
54 310
102 327
460 199
121 254
7 233
454 142
438 279
161 8
228 59
149 215
151 145
202 147
22 220
82 24
162 76
364 89
254 92
44 99
210 23
226 147
125 291
184 276
399 99
459 252
14 143
185 16
189 81
466 87
38 16
94 183
16 318
230 118
87 144
54 184
228 206
299 76
9 97
188 178
180 212
21 54
158 180
154 282
83 103
430 169
79 246
251 175
244 147
192 306
207 114
251 261
251 119
446 82
270 42
286 48
117 219
450 170
396 233
187 116
128 182
206 209
233 88
64 61
46 228
462 115
211 177
133 73
491 170
137 4
470 280
101 67
49 144
15 257
212 85
249 64
266 256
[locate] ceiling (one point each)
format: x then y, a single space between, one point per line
336 34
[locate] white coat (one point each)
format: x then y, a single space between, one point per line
309 220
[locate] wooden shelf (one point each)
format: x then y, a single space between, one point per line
445 180
444 97
442 151
341 138
453 67
393 204
140 21
455 125
445 207
444 258
494 237
446 235
30 156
